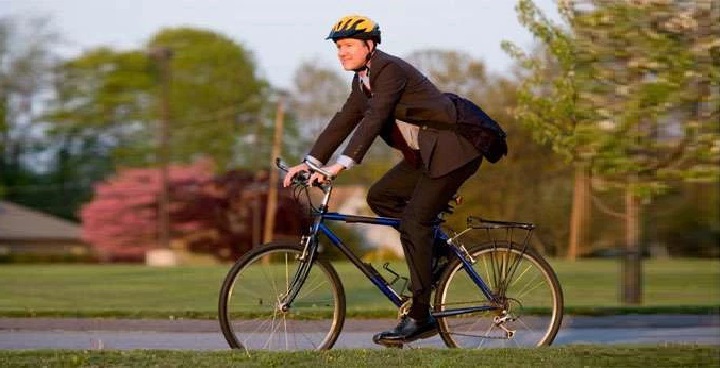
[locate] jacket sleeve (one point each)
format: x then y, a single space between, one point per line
387 85
340 126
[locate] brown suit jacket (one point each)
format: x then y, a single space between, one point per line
399 91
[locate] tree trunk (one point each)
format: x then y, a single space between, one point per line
580 216
632 263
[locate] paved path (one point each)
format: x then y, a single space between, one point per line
69 333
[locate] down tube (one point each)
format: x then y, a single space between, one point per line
376 280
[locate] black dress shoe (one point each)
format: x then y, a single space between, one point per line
407 330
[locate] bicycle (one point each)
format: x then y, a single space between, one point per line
497 292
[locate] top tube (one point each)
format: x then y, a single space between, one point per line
378 220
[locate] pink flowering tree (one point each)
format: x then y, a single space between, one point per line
221 215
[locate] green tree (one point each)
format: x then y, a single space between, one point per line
105 96
633 103
655 97
215 93
214 96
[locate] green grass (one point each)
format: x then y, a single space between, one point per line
575 356
590 287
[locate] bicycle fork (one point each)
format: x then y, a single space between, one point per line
305 262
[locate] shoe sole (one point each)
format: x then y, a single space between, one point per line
388 344
400 343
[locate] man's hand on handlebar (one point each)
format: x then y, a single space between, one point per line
316 177
292 171
333 169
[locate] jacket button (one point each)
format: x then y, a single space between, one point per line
424 127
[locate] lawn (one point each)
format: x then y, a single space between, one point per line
573 356
590 286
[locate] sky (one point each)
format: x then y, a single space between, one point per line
283 33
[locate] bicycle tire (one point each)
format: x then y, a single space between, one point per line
532 295
248 321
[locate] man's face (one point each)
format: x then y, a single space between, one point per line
352 53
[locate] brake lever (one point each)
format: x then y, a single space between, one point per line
281 164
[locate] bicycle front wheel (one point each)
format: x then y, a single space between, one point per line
528 303
250 311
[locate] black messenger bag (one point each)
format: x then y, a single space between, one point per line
481 130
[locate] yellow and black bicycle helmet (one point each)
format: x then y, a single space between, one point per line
355 26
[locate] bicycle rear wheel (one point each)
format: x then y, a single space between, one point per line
528 309
249 307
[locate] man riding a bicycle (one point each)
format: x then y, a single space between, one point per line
393 100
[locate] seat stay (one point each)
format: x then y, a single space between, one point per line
476 279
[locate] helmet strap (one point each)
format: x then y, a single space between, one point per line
368 56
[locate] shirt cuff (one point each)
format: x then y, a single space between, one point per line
314 161
346 161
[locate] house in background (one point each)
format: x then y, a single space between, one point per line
28 233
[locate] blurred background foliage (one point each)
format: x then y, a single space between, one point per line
619 102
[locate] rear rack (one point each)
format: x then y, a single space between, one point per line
510 234
481 223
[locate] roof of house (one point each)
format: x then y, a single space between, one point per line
18 222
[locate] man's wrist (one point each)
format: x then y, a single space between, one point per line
345 161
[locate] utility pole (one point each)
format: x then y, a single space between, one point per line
271 205
162 56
